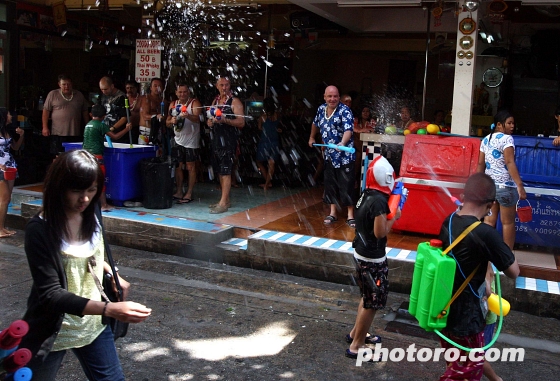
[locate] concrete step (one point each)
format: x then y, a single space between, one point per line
332 260
156 232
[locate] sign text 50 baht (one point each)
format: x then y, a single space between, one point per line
148 60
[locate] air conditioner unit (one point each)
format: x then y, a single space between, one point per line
540 2
378 3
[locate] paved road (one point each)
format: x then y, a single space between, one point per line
214 322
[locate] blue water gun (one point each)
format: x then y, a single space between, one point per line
397 199
334 146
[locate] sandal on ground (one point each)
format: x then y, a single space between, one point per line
351 223
175 198
219 209
354 356
329 220
212 206
184 200
370 339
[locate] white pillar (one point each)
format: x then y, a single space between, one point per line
463 85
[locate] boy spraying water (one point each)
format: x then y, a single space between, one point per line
372 227
94 141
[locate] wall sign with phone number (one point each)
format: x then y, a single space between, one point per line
148 60
544 229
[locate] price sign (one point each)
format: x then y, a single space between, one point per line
148 60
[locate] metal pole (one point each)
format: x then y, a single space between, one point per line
426 65
266 71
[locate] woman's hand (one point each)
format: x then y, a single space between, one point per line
128 312
125 287
20 131
556 141
521 191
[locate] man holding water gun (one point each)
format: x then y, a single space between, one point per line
184 118
335 122
374 219
226 120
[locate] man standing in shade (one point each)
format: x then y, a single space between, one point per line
66 107
134 100
335 122
113 101
224 138
184 118
151 109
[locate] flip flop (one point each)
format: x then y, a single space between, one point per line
175 198
354 356
329 220
184 201
351 223
370 339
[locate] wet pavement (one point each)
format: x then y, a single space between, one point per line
215 322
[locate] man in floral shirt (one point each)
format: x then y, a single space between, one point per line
335 122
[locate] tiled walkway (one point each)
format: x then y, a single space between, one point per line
295 215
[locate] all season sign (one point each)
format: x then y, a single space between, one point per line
148 60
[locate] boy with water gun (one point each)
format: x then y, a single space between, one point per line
374 219
465 320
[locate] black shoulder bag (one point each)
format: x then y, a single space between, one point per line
106 289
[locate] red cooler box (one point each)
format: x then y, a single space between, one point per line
434 168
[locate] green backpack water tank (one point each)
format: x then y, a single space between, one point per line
432 285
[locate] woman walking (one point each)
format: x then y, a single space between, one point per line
65 250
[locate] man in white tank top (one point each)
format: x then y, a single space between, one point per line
184 118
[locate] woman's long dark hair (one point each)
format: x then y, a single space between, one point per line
74 170
4 122
500 117
360 120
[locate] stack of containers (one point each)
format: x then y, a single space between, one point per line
122 164
538 162
434 168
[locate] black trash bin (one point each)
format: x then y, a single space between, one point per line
157 183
